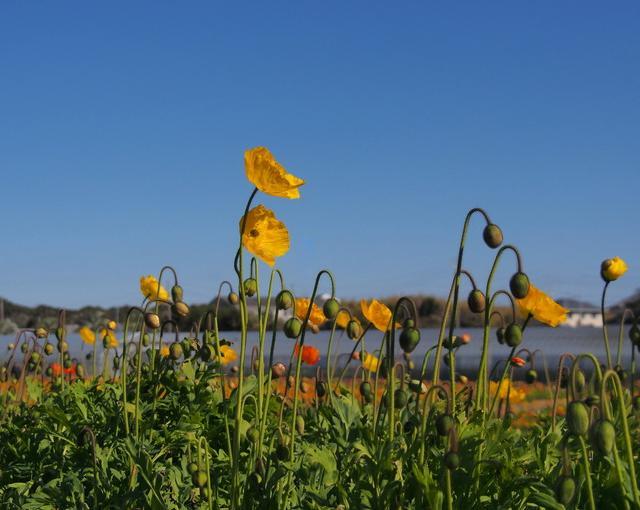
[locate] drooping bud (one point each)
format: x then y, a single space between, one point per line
175 351
565 490
519 285
233 298
577 418
250 286
293 327
603 436
48 349
284 300
80 371
476 301
492 235
531 376
444 424
451 460
321 389
513 335
353 329
331 308
400 398
409 339
152 320
41 333
500 335
176 293
300 425
180 309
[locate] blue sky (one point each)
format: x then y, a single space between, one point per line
123 124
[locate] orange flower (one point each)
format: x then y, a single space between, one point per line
377 314
316 318
518 362
310 354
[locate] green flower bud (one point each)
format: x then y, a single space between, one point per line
48 349
581 380
519 285
444 424
63 346
331 308
451 460
409 339
513 335
146 340
365 388
192 467
176 293
284 300
253 434
206 353
476 301
634 335
400 398
41 333
603 436
67 363
199 478
300 425
577 418
80 371
293 327
61 334
233 298
500 335
250 286
353 329
565 490
409 323
35 356
531 376
492 235
321 389
175 351
152 320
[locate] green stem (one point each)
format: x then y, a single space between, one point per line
604 325
587 472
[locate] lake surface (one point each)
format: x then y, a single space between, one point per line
551 341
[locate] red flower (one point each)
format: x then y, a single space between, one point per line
310 354
57 369
519 362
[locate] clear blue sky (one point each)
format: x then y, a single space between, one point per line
123 124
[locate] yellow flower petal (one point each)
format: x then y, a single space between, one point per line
614 268
87 335
543 308
370 362
265 236
151 289
377 314
164 351
266 174
316 318
343 318
228 354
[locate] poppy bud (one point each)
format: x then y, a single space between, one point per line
581 381
500 335
331 308
176 293
517 361
492 235
408 323
63 346
35 356
112 325
253 434
577 418
80 371
293 327
519 285
41 333
531 376
603 436
48 348
233 298
146 339
634 335
353 329
365 388
152 320
565 490
61 334
409 339
175 351
181 309
451 460
513 335
300 425
278 369
250 286
444 424
400 398
284 300
199 478
463 379
321 389
612 269
476 301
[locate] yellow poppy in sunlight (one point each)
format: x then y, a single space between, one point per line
370 362
151 289
164 351
269 176
228 354
515 395
109 338
317 315
614 268
543 308
265 236
377 314
87 335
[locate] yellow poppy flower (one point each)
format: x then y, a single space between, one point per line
317 315
87 335
229 355
614 268
151 290
164 351
265 236
515 395
110 336
266 174
377 314
370 362
543 308
343 318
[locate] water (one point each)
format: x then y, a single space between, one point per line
551 341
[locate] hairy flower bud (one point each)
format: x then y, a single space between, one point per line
331 308
492 235
519 285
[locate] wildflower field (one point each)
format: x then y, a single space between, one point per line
157 418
